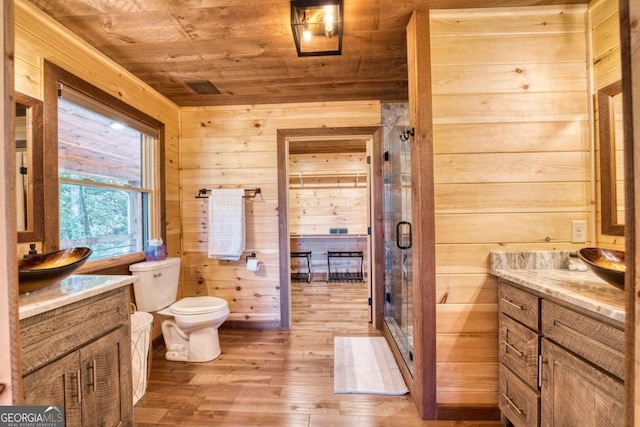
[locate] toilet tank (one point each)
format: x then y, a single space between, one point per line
157 284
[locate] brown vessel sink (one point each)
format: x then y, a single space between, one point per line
40 271
608 264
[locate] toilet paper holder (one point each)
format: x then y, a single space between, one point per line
253 263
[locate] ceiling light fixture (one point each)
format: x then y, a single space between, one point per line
317 27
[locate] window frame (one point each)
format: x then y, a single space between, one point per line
53 76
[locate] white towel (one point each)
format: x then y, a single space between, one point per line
226 224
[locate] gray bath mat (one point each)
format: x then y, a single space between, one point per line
366 365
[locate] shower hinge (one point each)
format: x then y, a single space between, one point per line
388 297
368 160
368 231
386 156
411 355
369 301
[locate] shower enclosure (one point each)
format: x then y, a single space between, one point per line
397 228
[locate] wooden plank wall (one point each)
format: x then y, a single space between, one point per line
236 147
511 144
328 190
39 37
604 20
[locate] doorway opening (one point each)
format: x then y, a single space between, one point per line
301 232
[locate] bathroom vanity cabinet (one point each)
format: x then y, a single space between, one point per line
560 365
79 355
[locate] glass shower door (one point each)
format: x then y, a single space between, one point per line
397 225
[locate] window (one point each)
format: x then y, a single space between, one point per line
108 173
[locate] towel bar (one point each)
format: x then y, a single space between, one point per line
253 192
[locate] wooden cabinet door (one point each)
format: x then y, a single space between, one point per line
574 393
58 383
106 370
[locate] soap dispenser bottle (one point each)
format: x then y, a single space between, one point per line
32 251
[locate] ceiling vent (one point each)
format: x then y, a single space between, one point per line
203 87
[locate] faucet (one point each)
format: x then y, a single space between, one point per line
32 251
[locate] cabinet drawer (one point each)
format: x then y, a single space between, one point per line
519 305
519 403
518 349
52 334
597 342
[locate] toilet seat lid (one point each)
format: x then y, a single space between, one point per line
198 305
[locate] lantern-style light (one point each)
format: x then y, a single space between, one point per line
317 27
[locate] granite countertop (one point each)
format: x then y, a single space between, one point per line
72 289
546 273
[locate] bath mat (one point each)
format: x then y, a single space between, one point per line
366 365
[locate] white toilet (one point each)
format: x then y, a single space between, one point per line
189 326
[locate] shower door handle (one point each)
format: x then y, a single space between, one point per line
401 243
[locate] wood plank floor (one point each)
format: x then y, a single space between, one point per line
278 378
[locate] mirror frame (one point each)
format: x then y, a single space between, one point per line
35 230
606 135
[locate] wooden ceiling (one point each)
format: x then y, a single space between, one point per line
244 48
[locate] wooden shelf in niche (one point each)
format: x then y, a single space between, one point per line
351 179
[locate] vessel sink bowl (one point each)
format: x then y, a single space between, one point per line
40 271
608 264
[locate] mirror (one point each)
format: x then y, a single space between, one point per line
610 134
29 168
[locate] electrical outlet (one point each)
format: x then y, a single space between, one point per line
578 231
